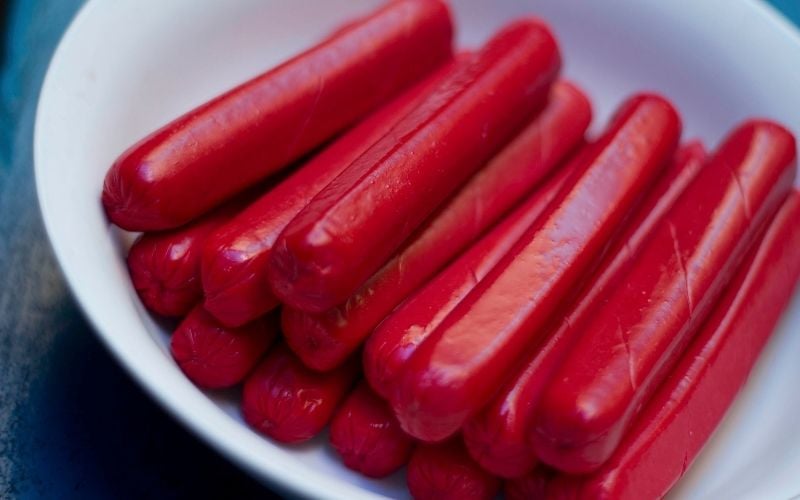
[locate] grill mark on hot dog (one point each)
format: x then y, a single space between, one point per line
682 265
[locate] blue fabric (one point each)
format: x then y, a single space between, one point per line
72 424
790 8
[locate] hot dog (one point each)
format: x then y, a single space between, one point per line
682 416
165 266
497 437
354 225
290 403
209 154
367 436
633 341
324 340
216 357
235 257
397 337
445 471
465 361
531 486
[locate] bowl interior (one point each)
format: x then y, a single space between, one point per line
126 67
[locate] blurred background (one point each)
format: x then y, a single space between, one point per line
72 423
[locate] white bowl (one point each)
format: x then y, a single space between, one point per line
128 66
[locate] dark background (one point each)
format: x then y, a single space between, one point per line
72 423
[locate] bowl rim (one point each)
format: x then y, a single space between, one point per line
291 480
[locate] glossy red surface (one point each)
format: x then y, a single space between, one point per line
234 263
288 402
367 436
211 153
355 225
394 341
682 416
216 357
633 341
446 472
497 437
459 368
165 267
325 340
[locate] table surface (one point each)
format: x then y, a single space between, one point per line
72 423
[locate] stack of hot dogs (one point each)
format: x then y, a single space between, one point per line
421 248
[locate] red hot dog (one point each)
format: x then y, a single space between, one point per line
324 340
397 337
531 486
633 341
497 437
354 225
459 367
211 153
165 267
367 436
216 357
691 403
290 403
235 257
445 471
